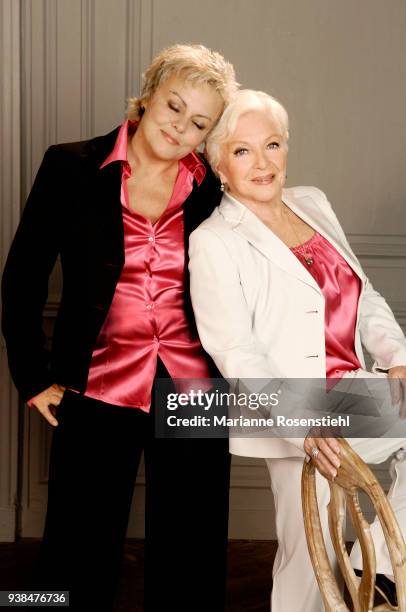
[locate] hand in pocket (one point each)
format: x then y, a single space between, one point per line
47 401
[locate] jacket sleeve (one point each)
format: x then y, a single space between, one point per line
380 333
32 256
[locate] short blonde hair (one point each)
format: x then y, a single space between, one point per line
244 101
197 63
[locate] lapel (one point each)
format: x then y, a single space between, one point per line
104 201
324 221
105 187
247 224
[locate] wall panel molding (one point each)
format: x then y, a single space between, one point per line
10 176
133 63
50 46
376 246
146 36
37 107
87 69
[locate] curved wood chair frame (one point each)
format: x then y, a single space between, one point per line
353 475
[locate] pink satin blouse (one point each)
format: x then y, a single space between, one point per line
147 316
341 289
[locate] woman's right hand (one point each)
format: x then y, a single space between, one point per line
46 402
325 453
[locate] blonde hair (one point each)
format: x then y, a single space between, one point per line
197 63
244 101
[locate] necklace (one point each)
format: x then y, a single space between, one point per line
306 256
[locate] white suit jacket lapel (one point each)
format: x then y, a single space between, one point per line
247 224
308 209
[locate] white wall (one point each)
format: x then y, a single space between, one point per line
339 68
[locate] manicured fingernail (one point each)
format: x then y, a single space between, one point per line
334 473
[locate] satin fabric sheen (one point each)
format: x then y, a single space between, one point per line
147 316
341 290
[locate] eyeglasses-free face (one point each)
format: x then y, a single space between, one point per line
178 117
253 162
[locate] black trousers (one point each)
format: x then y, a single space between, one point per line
94 460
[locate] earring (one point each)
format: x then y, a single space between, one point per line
222 186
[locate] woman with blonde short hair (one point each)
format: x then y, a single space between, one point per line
118 210
278 294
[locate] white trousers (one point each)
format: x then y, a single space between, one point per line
294 584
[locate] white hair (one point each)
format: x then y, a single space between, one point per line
244 101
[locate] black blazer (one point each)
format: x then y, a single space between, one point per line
74 211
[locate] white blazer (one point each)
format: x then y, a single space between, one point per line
260 313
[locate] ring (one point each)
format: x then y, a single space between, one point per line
315 451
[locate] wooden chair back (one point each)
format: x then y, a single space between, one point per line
353 475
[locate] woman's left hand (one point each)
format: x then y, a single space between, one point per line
397 384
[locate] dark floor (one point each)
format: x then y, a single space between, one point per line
249 573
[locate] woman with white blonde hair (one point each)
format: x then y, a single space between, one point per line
118 210
279 294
